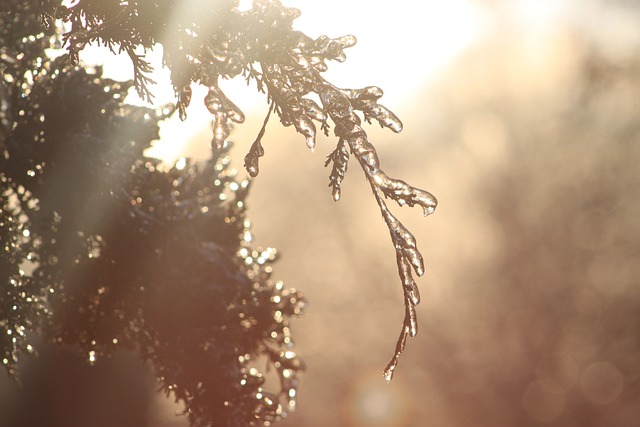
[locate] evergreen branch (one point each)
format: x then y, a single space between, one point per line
340 109
290 66
141 80
340 159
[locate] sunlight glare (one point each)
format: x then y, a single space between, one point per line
537 15
399 49
244 5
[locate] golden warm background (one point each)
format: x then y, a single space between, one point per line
523 118
528 132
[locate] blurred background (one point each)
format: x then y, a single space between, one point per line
523 118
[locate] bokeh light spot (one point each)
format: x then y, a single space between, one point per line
544 400
559 367
372 402
602 383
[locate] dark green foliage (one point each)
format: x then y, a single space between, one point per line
104 250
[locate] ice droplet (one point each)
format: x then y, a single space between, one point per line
252 158
212 102
388 372
426 200
370 92
347 41
251 165
387 119
404 194
313 110
256 151
217 102
182 111
184 99
305 126
428 210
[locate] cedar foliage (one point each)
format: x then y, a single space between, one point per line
103 249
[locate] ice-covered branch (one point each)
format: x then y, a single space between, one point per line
219 41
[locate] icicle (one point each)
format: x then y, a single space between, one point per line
386 118
313 110
221 130
251 159
216 101
404 194
256 151
305 126
184 99
182 111
212 101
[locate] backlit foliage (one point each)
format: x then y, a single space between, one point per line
103 250
123 253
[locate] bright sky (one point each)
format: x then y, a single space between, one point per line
401 46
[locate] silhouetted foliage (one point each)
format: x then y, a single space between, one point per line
104 249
